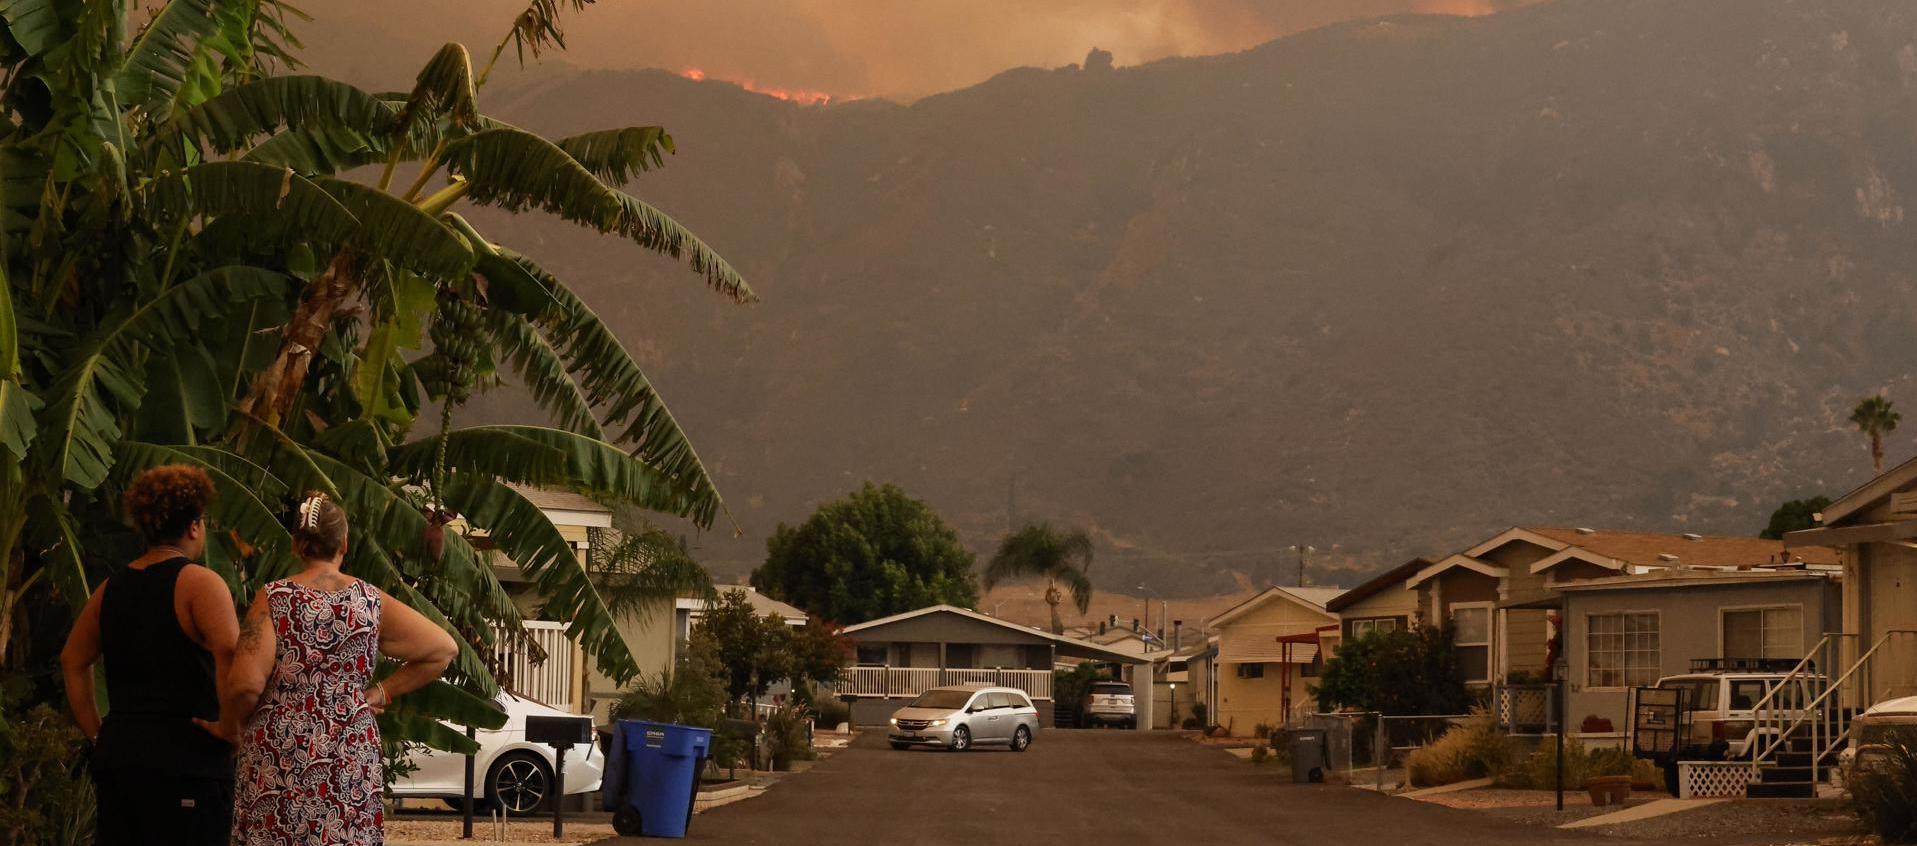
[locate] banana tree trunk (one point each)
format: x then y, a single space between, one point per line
271 394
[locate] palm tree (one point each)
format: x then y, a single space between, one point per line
1060 557
188 278
1874 417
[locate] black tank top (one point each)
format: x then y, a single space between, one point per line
157 679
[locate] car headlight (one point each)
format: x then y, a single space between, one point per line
936 723
895 721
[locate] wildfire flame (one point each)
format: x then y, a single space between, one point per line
802 96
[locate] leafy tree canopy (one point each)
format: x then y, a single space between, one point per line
1407 671
872 554
1795 515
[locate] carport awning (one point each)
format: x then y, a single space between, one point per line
1846 535
1262 648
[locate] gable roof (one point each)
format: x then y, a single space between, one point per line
1531 536
1313 598
1889 482
762 605
1377 584
1455 561
1079 648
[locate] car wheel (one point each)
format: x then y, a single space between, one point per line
901 746
519 783
961 739
626 821
1021 739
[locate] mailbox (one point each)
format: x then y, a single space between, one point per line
559 731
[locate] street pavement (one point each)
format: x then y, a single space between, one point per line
1095 787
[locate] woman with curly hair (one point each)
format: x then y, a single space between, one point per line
301 697
166 629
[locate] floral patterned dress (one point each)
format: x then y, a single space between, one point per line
309 768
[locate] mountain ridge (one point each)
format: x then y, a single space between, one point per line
1384 287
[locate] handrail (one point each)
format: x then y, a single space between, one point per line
1762 706
1813 712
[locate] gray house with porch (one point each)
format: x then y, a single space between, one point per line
898 657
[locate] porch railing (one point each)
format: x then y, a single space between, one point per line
549 681
912 681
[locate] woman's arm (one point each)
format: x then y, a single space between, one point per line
216 627
76 664
406 635
253 657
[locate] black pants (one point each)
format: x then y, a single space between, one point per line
156 808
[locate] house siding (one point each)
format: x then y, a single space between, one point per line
1244 703
1688 627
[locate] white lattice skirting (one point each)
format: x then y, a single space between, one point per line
1713 779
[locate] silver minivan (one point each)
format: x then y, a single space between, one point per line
959 717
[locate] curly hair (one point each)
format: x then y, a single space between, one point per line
164 501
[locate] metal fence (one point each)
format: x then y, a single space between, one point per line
1381 742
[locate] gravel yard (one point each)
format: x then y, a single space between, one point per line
1736 821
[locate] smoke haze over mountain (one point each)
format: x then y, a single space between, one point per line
844 48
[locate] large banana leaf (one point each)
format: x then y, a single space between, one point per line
399 232
616 155
310 104
157 63
444 88
52 529
521 531
608 377
83 414
517 170
544 375
35 24
256 191
594 468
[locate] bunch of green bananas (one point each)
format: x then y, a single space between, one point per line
458 329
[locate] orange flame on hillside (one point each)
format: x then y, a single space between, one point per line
802 96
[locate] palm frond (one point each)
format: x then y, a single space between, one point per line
517 170
638 570
523 533
616 155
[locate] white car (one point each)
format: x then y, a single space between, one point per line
1887 722
507 771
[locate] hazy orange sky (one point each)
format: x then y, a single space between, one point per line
902 49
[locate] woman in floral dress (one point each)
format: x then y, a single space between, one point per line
303 698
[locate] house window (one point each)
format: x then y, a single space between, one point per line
1764 633
1251 671
1360 628
871 655
1472 628
961 656
1623 650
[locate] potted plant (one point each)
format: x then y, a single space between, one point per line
1594 724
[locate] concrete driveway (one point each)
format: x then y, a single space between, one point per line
1116 787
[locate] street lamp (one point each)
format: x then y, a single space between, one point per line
1301 550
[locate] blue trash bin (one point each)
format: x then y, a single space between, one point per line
655 787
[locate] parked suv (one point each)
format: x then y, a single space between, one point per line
962 716
1110 703
1722 718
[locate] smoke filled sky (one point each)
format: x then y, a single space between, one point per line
899 49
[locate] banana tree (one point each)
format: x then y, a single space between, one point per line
193 277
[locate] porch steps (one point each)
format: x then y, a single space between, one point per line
1789 776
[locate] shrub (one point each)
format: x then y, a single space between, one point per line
1540 770
1883 791
788 737
1199 714
1261 731
1594 724
831 713
45 794
1260 754
1472 749
1408 671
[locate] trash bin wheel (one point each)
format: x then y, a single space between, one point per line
519 783
626 821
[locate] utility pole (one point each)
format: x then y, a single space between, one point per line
1301 549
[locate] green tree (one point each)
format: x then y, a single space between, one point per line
1795 515
818 655
1874 417
189 279
1059 556
1407 671
752 652
872 554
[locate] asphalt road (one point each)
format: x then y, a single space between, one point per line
1115 787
